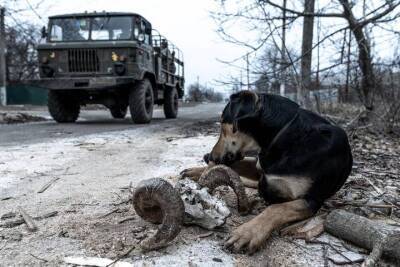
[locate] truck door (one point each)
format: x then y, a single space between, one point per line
147 55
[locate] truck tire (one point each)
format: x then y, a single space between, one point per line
171 103
63 108
141 102
119 112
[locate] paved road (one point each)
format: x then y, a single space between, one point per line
96 121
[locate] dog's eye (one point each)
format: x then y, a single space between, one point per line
233 143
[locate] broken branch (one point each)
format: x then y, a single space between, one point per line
46 186
28 220
364 232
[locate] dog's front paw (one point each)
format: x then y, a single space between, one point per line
248 237
193 173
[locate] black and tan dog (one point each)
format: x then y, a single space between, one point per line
302 160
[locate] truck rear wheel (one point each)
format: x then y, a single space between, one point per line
63 107
171 103
141 102
118 112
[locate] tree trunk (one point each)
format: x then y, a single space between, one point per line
364 57
306 52
283 64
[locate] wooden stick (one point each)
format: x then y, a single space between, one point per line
46 186
364 232
28 220
376 253
19 221
108 213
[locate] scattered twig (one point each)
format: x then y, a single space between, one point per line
109 213
360 204
84 204
47 215
377 189
19 221
127 219
331 246
36 257
292 241
351 123
28 220
204 235
120 257
3 246
123 202
325 255
47 185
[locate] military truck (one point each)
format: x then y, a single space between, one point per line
113 59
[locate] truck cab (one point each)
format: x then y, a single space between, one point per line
114 59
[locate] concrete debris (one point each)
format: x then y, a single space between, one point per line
8 118
201 208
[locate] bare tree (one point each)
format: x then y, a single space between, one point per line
21 56
306 51
199 93
262 14
21 38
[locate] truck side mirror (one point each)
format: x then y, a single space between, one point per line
44 32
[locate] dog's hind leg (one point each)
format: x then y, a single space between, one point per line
253 234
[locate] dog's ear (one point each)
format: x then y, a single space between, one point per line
243 105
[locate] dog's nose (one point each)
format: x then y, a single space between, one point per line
229 158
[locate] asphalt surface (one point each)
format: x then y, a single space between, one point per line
97 121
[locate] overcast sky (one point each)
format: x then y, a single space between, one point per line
188 24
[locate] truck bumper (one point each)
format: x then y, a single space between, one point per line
92 83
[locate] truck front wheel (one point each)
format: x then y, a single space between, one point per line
171 103
63 107
141 102
118 111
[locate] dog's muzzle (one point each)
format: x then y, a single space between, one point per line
228 159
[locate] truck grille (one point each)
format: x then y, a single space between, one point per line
83 60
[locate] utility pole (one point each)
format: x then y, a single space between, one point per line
306 53
248 71
3 92
241 80
283 51
346 92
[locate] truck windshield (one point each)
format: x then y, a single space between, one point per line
96 28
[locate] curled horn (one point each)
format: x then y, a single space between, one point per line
156 201
223 175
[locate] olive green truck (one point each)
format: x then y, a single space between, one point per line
113 59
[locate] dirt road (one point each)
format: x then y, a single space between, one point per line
90 166
93 160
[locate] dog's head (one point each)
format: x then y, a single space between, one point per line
233 142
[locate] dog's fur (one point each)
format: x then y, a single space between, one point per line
302 160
